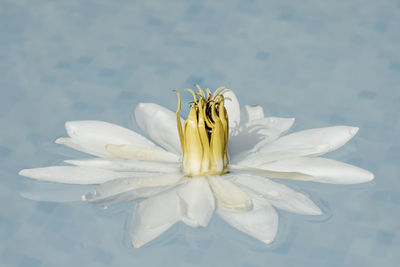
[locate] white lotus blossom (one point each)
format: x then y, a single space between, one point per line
211 174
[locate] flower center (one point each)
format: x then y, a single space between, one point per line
204 139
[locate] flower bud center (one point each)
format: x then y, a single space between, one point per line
204 137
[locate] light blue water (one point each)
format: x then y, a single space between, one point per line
323 62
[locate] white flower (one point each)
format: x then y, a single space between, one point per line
128 166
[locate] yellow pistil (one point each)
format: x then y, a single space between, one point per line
204 140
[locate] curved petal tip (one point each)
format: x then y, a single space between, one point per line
369 176
24 172
60 140
353 130
315 211
136 245
267 241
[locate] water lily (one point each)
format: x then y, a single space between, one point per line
218 159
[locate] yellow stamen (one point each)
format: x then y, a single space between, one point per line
204 140
208 93
193 94
217 142
193 149
218 91
200 90
209 123
178 120
205 163
223 115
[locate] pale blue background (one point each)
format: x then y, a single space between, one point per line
323 62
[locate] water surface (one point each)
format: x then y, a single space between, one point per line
324 63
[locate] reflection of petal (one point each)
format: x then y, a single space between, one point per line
160 124
126 165
74 175
278 195
233 109
54 192
261 222
322 170
229 196
256 134
126 189
311 142
153 216
197 202
92 137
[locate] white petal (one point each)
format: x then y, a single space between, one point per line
256 134
279 195
197 202
74 175
322 140
77 145
160 124
92 137
250 113
126 165
233 108
141 153
229 196
273 123
322 170
153 216
311 142
126 189
261 222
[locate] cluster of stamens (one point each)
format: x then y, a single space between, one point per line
204 139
